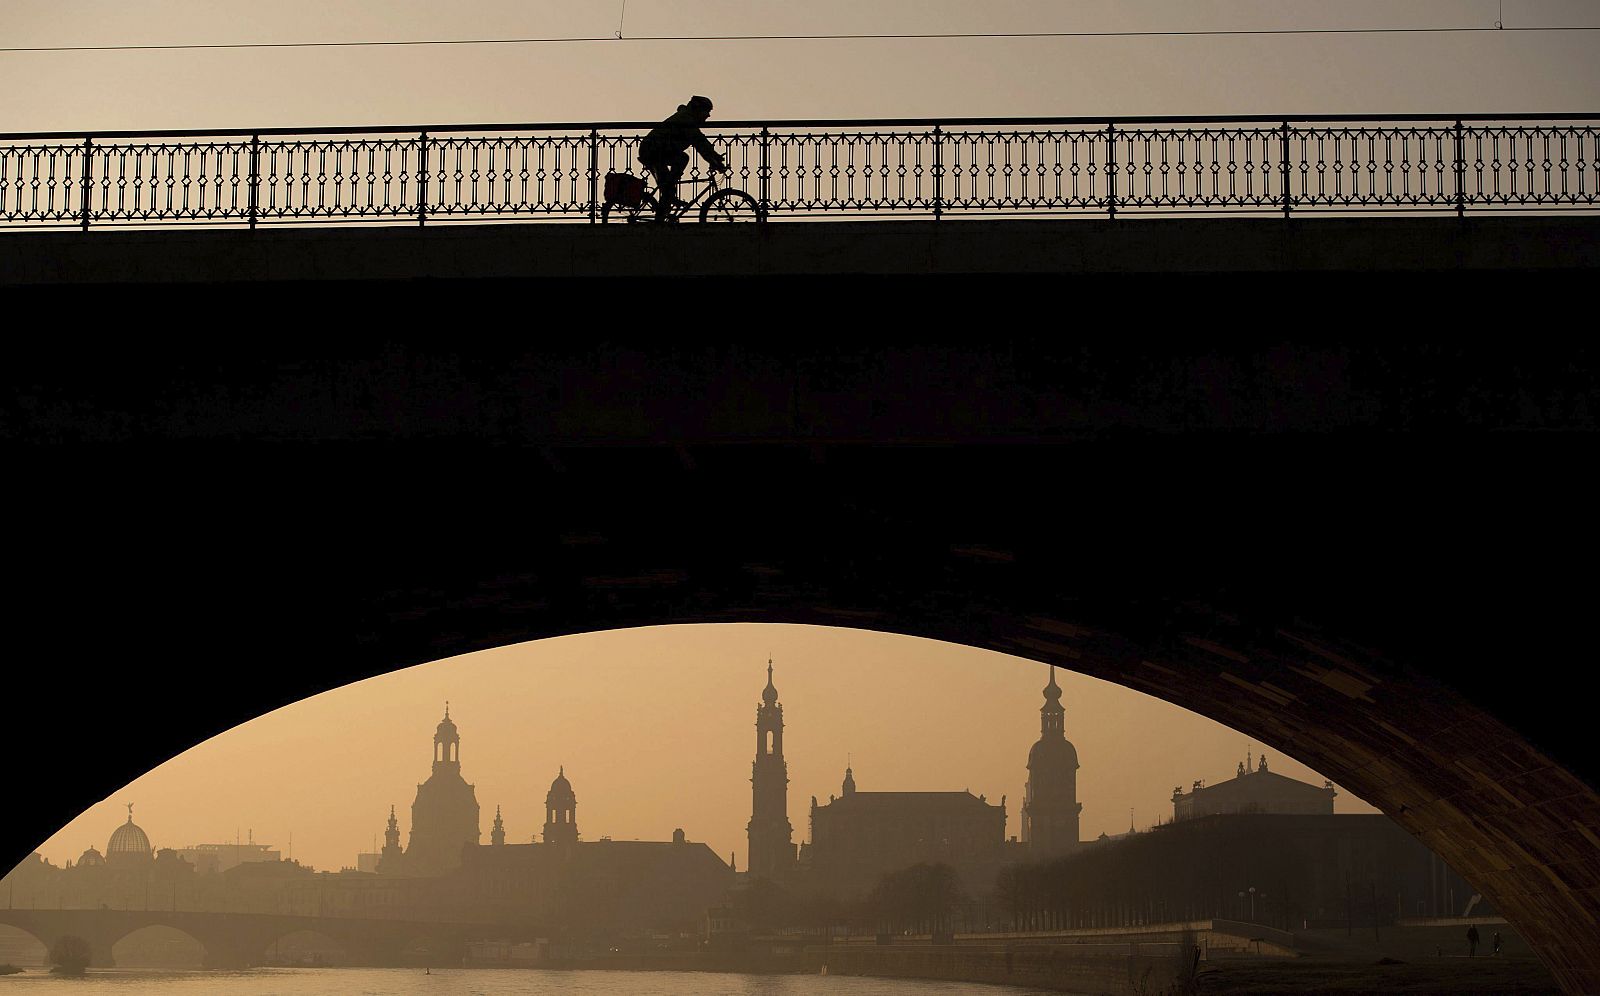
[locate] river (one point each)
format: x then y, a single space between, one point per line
480 982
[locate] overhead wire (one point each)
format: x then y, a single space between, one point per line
862 36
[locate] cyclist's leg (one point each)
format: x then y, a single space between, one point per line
666 186
669 194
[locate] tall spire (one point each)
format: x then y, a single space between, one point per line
770 833
1051 714
769 695
497 836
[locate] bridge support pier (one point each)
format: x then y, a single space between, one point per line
99 947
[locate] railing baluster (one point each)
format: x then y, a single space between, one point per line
1461 172
422 179
255 179
1287 201
594 175
938 172
764 174
1111 170
88 171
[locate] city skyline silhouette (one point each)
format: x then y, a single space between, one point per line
918 715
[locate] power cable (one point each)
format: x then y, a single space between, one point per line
884 36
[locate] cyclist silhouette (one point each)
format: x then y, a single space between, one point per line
662 151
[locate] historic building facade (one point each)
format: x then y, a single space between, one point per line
578 887
1253 790
857 837
1051 810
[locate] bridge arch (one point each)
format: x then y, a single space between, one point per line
159 945
1433 760
1264 535
26 948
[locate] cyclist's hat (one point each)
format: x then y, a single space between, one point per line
698 103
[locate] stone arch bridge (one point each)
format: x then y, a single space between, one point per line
1341 502
240 940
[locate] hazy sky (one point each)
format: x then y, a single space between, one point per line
656 728
1502 71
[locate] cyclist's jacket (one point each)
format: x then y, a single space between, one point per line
672 136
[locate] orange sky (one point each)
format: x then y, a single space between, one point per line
1490 71
656 729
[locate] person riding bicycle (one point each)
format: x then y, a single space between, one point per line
662 151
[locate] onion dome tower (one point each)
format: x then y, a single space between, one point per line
128 844
561 811
771 834
1051 810
444 817
391 858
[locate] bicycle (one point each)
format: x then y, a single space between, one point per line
722 204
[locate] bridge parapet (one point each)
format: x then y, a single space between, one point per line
815 169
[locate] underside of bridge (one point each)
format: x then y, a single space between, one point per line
1346 515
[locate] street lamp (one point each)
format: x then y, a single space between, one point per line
1252 904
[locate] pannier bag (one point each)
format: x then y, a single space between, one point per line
625 189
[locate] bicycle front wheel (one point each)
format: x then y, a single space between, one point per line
731 205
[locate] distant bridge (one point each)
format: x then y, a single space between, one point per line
236 940
815 169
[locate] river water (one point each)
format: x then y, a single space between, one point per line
479 982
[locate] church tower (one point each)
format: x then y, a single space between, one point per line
1051 809
444 817
497 836
561 811
771 836
390 859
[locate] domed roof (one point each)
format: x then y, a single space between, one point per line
1053 752
447 727
90 858
560 788
128 841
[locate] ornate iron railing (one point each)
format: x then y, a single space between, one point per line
807 169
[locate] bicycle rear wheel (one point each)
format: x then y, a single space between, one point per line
731 205
623 213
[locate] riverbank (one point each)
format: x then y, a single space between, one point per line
1058 968
1442 977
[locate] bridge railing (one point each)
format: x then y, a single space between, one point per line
1013 167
